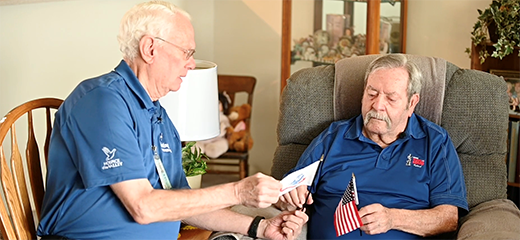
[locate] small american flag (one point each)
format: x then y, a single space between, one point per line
346 217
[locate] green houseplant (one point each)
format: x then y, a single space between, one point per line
194 164
500 19
192 160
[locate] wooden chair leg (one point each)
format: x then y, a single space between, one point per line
247 166
243 168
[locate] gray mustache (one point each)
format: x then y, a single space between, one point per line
373 114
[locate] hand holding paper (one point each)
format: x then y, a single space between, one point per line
304 176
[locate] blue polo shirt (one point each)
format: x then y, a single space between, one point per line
420 170
103 134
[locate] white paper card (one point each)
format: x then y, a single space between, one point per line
303 176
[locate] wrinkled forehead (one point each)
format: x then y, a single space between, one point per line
388 80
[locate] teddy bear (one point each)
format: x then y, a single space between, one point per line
218 145
238 136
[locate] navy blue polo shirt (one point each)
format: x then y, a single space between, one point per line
103 134
420 170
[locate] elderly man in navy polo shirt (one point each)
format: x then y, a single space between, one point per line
409 178
114 169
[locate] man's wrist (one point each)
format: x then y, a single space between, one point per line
234 188
261 229
255 230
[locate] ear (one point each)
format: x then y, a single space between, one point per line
147 48
413 103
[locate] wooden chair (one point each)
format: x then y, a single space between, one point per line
233 85
22 173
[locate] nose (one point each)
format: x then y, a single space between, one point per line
379 103
191 63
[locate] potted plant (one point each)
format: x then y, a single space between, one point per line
500 19
193 164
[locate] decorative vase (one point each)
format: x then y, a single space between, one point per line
194 181
492 30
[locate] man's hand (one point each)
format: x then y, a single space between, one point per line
296 198
258 191
287 225
376 219
423 222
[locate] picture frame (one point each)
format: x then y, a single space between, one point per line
512 79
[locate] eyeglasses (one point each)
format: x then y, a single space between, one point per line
188 52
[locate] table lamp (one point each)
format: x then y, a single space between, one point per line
194 108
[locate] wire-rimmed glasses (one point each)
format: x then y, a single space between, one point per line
188 52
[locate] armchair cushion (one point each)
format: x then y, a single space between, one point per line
475 114
495 219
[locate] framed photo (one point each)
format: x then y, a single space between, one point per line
512 79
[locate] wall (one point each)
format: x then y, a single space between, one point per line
248 42
47 48
442 28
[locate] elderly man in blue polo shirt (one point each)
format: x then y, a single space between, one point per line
409 178
102 177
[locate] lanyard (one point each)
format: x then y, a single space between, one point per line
165 181
163 176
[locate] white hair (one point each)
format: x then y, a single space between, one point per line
390 61
148 18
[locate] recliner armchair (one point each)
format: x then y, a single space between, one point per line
471 105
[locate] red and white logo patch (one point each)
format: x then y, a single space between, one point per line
415 161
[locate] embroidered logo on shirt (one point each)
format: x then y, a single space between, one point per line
110 162
165 147
415 161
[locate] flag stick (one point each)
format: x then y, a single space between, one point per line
356 197
314 178
355 188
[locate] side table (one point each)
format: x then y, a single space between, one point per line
193 233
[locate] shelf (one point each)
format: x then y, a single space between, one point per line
352 28
509 62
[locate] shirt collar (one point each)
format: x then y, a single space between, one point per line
133 83
413 129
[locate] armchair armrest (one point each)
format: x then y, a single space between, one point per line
494 219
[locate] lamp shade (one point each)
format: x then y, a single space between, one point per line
194 108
